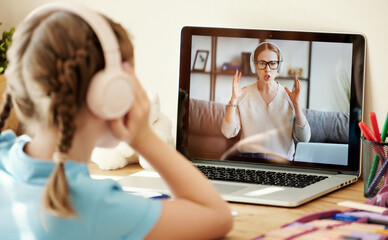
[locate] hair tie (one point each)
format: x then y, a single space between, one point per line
81 52
59 157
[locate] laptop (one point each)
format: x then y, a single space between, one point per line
330 68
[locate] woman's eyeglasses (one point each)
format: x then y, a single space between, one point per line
263 64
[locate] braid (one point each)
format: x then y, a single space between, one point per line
5 109
64 109
56 194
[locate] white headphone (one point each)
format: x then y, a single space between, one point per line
253 66
110 93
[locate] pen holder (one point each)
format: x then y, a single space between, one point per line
374 155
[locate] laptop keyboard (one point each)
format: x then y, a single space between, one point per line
260 177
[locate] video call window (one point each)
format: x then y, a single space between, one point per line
323 69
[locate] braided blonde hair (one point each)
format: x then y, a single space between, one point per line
51 62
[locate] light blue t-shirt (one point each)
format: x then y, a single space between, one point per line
105 211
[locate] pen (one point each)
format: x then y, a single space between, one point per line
385 130
383 137
344 217
377 178
370 137
375 126
367 132
373 169
374 166
371 216
375 162
161 196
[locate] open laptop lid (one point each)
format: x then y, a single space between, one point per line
330 67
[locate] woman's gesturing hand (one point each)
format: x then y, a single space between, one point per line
237 91
294 95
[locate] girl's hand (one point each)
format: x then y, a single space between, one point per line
133 127
294 95
237 91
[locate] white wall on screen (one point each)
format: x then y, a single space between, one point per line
229 49
200 86
295 55
329 61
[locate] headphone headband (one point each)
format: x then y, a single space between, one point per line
100 26
273 44
110 93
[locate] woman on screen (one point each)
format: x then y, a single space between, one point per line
267 109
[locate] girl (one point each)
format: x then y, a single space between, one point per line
51 62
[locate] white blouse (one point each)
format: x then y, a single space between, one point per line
272 125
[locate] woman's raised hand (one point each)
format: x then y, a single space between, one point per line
237 91
294 95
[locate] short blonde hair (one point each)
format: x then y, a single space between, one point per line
52 59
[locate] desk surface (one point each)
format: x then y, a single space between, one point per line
254 220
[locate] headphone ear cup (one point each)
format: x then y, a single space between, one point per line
252 63
280 68
110 94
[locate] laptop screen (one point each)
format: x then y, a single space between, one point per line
297 101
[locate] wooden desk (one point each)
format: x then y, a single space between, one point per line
254 220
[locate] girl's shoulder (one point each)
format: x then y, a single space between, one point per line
7 136
7 140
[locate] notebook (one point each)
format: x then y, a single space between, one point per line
330 68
